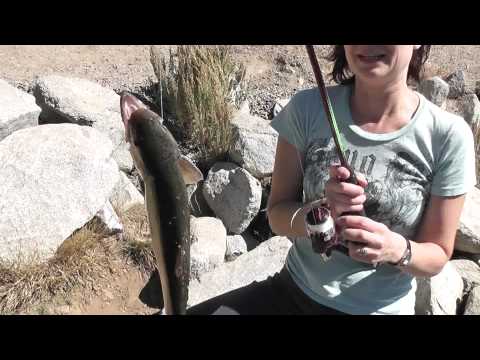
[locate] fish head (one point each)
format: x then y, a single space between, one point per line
150 142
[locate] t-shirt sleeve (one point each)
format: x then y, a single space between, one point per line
290 125
455 172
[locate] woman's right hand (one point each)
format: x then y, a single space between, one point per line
342 196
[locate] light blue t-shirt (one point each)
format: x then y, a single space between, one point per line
432 154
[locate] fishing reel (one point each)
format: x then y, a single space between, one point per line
322 232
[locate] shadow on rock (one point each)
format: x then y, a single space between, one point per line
151 294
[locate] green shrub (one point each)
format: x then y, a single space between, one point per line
201 85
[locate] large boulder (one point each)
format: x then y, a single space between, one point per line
472 306
468 234
109 220
476 258
54 179
17 110
125 195
469 271
470 106
434 89
233 194
253 144
209 242
440 294
257 265
82 102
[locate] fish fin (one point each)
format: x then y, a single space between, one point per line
191 174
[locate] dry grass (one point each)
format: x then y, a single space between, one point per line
137 239
202 85
80 261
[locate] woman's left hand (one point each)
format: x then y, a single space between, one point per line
370 241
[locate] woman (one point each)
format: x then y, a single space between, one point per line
416 163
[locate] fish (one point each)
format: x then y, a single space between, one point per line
165 173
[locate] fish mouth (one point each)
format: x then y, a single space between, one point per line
128 105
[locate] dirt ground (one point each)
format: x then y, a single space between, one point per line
127 66
274 72
117 295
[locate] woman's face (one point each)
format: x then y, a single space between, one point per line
379 64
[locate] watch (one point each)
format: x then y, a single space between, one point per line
406 257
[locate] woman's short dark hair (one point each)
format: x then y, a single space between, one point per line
341 74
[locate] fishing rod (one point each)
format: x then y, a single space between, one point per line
340 149
327 106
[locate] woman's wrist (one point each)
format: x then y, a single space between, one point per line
400 247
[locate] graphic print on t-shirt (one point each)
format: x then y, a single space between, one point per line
398 186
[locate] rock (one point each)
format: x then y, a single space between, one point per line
233 194
279 105
250 240
472 307
209 243
125 195
109 219
456 82
469 271
54 178
198 205
254 144
236 246
476 258
435 89
256 265
470 106
17 110
439 295
244 108
468 234
477 88
82 102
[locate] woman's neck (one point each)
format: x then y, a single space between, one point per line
382 109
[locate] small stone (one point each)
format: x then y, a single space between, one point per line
236 246
279 105
208 244
456 81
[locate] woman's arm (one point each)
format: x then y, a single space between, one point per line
286 213
431 248
375 242
436 237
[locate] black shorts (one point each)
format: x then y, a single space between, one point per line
277 295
